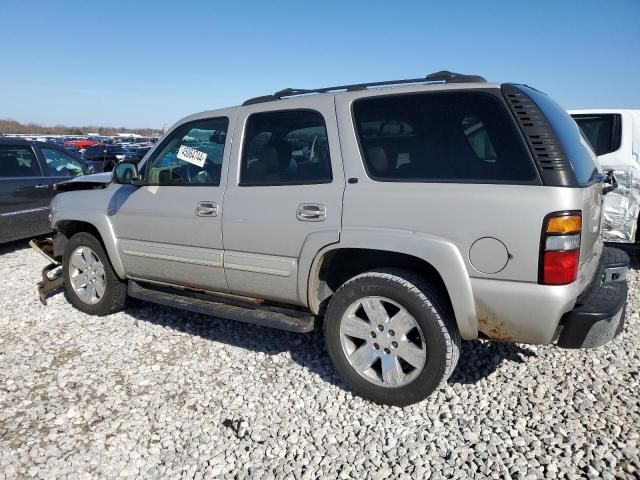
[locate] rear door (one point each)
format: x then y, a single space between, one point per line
25 193
284 196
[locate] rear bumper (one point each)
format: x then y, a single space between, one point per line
599 314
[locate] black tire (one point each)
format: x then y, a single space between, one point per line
430 311
115 293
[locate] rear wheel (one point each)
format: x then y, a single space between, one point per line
391 336
90 283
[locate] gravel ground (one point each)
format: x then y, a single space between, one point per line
159 393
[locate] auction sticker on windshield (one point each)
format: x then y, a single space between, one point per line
191 155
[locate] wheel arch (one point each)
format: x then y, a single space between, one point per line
102 230
438 261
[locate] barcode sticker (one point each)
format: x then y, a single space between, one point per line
192 155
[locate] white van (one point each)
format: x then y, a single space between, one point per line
615 137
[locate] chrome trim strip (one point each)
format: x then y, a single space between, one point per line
252 262
173 253
28 210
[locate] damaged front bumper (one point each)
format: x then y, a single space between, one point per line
599 314
52 275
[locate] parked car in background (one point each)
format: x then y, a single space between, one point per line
101 157
615 138
28 171
136 154
79 144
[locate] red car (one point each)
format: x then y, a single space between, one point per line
79 144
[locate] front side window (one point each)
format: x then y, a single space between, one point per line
441 137
18 161
285 148
602 131
191 155
60 164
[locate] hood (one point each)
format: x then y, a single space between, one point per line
85 182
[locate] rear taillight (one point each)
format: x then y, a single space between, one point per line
560 248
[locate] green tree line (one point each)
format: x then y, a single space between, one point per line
12 126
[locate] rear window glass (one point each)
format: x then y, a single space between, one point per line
581 156
602 131
450 137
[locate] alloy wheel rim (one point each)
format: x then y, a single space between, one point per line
382 341
87 276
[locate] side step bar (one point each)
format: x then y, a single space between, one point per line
218 306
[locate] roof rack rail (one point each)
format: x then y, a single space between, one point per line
443 76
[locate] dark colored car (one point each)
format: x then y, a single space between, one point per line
136 154
101 157
28 171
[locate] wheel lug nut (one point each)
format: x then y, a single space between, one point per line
392 333
394 344
380 327
373 334
387 351
376 346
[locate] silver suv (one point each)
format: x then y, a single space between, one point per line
402 216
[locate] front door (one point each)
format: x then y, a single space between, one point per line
284 196
25 193
169 229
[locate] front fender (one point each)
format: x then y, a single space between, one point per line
441 254
92 208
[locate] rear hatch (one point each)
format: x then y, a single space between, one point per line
564 159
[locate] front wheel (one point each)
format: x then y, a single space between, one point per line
90 283
391 336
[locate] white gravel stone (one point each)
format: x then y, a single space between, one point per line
154 392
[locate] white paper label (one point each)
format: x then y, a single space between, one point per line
192 155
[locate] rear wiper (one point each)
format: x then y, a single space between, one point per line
610 181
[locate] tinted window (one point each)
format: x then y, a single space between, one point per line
602 131
457 136
190 155
60 164
576 148
286 147
18 162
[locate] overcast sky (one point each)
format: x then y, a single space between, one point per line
147 63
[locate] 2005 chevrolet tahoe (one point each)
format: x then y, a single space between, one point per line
405 214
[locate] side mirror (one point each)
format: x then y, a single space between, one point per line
125 173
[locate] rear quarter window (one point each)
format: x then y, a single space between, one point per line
578 151
442 137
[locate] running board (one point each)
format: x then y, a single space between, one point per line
218 306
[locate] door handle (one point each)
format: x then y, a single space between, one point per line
207 209
42 186
311 212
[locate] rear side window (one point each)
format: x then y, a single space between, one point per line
602 131
449 137
288 147
18 161
577 150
